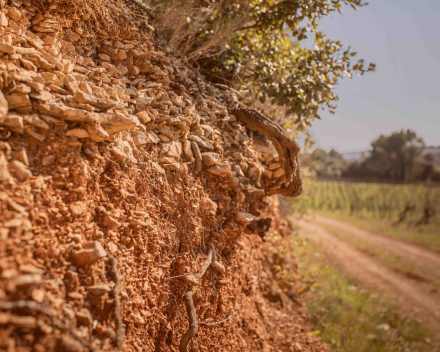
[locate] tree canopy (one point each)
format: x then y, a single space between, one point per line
259 48
396 157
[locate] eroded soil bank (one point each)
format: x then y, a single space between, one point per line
115 177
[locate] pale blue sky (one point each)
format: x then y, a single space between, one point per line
403 38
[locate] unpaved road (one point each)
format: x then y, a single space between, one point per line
415 299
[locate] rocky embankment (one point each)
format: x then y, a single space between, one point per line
116 175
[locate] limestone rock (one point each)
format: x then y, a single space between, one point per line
123 151
222 170
92 252
13 122
20 170
201 142
140 138
210 159
78 208
99 290
4 107
84 317
109 222
96 132
5 176
101 103
172 149
244 217
48 160
7 48
117 122
21 155
19 102
78 133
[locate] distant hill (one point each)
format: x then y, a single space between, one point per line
351 156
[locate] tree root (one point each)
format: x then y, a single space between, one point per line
286 146
189 303
31 305
120 331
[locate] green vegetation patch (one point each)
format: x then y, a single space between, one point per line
350 318
409 212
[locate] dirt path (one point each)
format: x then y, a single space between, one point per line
414 298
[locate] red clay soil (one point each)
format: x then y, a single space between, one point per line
106 211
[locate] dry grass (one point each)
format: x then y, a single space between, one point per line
196 29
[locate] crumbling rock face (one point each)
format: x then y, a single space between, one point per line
115 173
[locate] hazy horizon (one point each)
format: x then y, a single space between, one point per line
401 37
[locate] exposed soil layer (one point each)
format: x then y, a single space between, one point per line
115 175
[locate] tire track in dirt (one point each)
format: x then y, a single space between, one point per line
411 252
414 299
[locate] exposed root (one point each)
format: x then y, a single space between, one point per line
190 309
286 146
198 79
31 305
120 331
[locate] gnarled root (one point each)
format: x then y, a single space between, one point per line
190 309
286 146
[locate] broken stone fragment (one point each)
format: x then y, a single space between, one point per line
19 102
172 149
96 132
84 317
28 280
210 159
244 217
167 131
5 176
140 139
99 290
233 182
48 160
4 107
20 170
117 122
71 114
30 132
143 117
7 48
101 103
78 133
92 252
187 149
21 155
13 122
78 208
222 170
110 222
201 142
34 120
123 151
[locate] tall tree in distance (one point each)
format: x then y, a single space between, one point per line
395 157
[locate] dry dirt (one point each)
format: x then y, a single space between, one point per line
418 300
115 177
